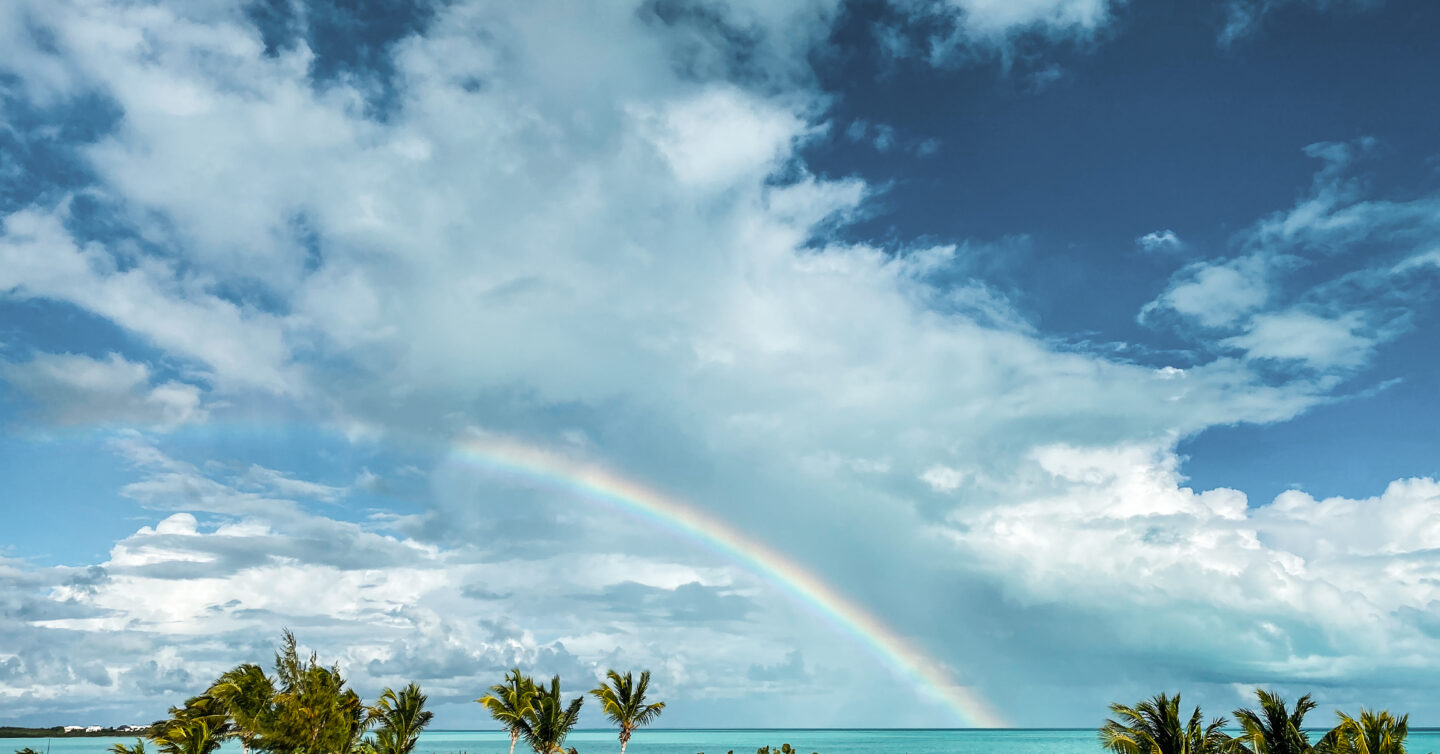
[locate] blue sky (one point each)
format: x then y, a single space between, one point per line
1088 342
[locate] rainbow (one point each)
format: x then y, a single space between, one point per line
599 484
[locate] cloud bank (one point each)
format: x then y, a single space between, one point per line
596 231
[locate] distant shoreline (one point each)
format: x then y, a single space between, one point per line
60 732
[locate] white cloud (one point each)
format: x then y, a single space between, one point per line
1216 294
992 19
286 485
943 478
1295 335
78 389
721 136
1160 241
1300 586
949 31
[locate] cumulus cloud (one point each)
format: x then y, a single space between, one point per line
1296 588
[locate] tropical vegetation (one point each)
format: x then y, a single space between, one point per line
199 727
541 715
622 700
1373 733
509 703
1156 726
305 708
398 719
550 719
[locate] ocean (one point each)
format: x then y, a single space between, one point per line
1027 741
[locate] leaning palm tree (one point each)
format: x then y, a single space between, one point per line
399 718
623 702
1154 726
1273 729
549 719
510 702
248 696
1373 733
200 727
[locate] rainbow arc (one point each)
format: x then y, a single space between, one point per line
599 484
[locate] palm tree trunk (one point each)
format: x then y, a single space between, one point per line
623 744
514 734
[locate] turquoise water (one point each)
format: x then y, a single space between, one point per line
742 742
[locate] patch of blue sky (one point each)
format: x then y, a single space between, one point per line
229 446
1157 128
350 41
40 162
61 500
30 325
1351 447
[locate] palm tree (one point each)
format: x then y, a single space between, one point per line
138 748
1273 729
1374 733
200 727
400 717
248 696
623 702
510 702
549 719
1154 726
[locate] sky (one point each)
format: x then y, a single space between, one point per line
997 360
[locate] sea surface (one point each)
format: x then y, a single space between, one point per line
740 741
